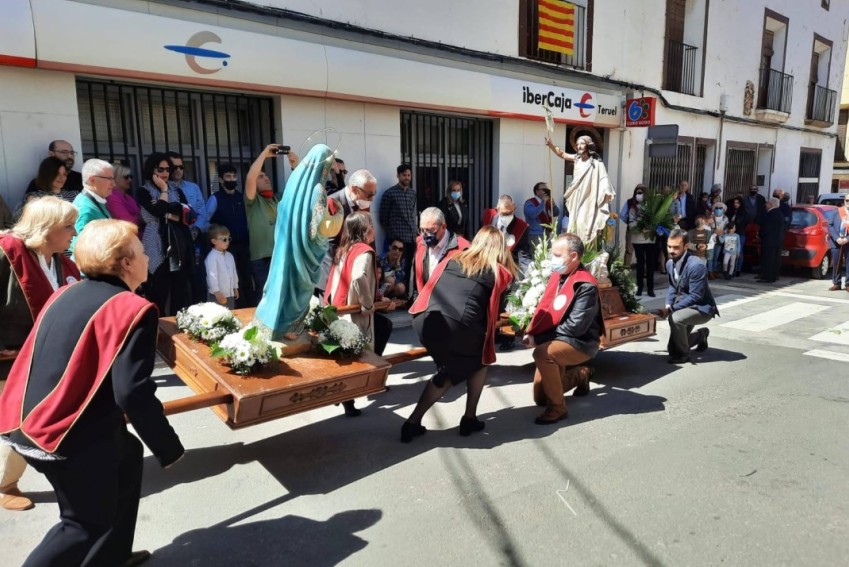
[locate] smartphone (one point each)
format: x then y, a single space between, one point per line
282 150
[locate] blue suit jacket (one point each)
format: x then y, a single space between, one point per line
692 290
834 230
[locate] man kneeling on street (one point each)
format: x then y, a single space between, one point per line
689 301
565 330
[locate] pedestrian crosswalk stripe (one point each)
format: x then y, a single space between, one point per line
733 300
810 297
841 356
775 317
837 335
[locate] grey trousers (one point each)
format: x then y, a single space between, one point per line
681 335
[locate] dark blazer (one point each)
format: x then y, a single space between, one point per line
458 223
691 291
582 325
772 228
756 212
688 215
836 230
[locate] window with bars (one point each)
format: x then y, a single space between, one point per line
126 123
688 165
442 148
810 164
581 58
740 167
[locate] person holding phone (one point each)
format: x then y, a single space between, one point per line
261 209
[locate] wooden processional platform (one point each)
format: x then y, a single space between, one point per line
299 381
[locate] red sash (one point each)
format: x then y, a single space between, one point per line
544 217
47 424
502 282
516 229
340 298
421 251
32 278
844 216
547 316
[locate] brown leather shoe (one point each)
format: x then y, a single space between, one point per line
583 386
550 418
13 500
835 287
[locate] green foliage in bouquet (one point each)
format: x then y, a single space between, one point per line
335 336
245 350
655 213
620 276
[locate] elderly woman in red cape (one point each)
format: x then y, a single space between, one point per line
455 316
32 267
84 367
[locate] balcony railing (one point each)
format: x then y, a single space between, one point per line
821 103
529 43
776 90
680 72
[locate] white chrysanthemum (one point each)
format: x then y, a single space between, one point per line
314 302
536 280
530 301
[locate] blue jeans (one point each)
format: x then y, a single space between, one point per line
741 253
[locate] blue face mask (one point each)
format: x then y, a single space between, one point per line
456 195
717 212
430 239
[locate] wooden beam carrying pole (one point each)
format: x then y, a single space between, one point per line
198 401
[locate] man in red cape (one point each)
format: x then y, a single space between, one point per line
565 330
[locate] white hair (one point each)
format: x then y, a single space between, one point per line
773 202
94 167
361 178
434 214
504 200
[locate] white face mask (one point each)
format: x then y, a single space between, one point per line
363 205
506 220
561 265
640 198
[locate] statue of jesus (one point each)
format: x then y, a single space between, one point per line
589 195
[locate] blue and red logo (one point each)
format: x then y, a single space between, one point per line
584 106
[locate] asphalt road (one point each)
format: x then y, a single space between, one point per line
740 459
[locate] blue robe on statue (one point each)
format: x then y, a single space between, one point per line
301 236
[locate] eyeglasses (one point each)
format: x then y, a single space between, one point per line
224 238
180 167
397 248
366 193
429 232
128 177
104 177
65 152
163 169
639 193
343 171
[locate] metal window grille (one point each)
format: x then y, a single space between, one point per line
810 164
681 67
664 172
821 104
441 149
776 90
740 166
126 123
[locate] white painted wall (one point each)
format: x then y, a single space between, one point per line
35 107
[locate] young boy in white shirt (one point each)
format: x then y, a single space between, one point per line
222 281
731 243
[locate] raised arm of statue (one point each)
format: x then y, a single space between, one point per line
558 152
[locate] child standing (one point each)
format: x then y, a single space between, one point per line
716 224
699 238
731 246
222 281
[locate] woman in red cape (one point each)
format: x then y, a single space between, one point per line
454 317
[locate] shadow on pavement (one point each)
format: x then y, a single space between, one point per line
290 540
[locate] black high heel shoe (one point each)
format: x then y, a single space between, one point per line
409 431
350 409
469 425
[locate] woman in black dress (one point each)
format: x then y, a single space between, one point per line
456 210
454 317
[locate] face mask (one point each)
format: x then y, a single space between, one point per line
267 194
640 198
363 205
231 185
431 240
456 195
560 265
506 220
717 212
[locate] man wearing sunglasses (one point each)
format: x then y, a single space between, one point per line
91 202
838 240
336 179
434 245
358 195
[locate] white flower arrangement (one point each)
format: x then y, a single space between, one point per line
245 349
335 335
207 322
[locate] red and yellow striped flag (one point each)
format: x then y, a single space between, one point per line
556 26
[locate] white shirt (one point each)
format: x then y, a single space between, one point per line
49 271
221 273
96 197
436 253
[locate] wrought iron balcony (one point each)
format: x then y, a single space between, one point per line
776 90
680 67
821 103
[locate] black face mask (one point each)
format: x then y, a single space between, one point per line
231 185
431 240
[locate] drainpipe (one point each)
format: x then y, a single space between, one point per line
621 130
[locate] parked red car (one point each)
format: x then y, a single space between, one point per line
805 242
